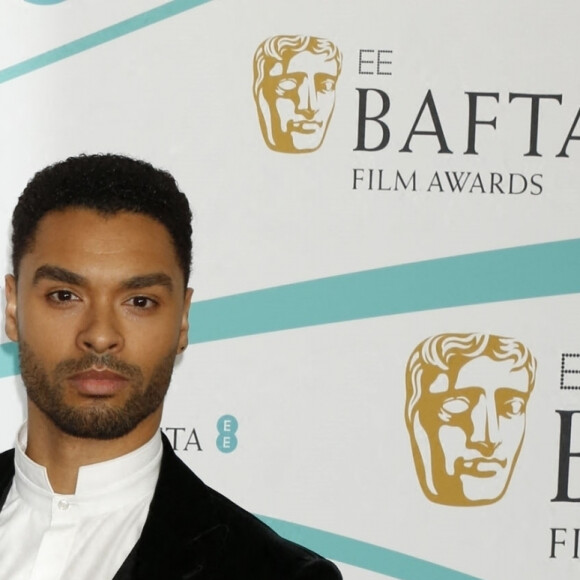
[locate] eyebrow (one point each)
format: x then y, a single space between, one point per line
58 274
148 280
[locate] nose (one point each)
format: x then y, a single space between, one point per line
485 434
100 331
307 97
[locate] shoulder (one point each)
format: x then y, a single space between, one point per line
6 465
6 474
259 546
230 541
7 460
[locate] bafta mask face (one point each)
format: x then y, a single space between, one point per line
296 101
472 431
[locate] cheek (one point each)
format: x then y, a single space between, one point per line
452 440
453 443
512 432
49 336
326 104
285 109
150 342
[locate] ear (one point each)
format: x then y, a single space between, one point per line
11 324
184 328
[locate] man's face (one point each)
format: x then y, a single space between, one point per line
300 96
100 312
475 430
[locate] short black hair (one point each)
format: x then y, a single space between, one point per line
108 184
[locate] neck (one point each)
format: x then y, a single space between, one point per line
64 454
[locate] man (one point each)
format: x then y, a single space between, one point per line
294 90
98 301
466 414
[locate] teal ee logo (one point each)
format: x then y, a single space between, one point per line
227 427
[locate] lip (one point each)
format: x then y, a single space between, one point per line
482 467
95 383
306 126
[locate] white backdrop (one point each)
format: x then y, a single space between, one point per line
311 290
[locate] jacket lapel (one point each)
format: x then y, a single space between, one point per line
6 474
182 538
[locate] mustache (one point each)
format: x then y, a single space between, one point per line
89 361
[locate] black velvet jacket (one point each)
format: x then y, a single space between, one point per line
194 533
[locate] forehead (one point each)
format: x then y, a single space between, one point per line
306 62
101 246
487 374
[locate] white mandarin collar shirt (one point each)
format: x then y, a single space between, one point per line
86 535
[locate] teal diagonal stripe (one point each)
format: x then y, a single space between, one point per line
9 359
509 274
100 37
363 555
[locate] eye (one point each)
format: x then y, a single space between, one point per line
62 297
455 406
142 302
286 85
326 86
452 407
513 407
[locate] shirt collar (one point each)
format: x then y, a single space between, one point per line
106 485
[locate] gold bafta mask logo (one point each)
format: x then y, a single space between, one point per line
466 414
294 89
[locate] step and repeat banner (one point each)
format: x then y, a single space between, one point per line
384 358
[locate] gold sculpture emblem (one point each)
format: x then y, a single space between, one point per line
466 414
294 89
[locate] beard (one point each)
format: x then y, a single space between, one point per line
99 420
